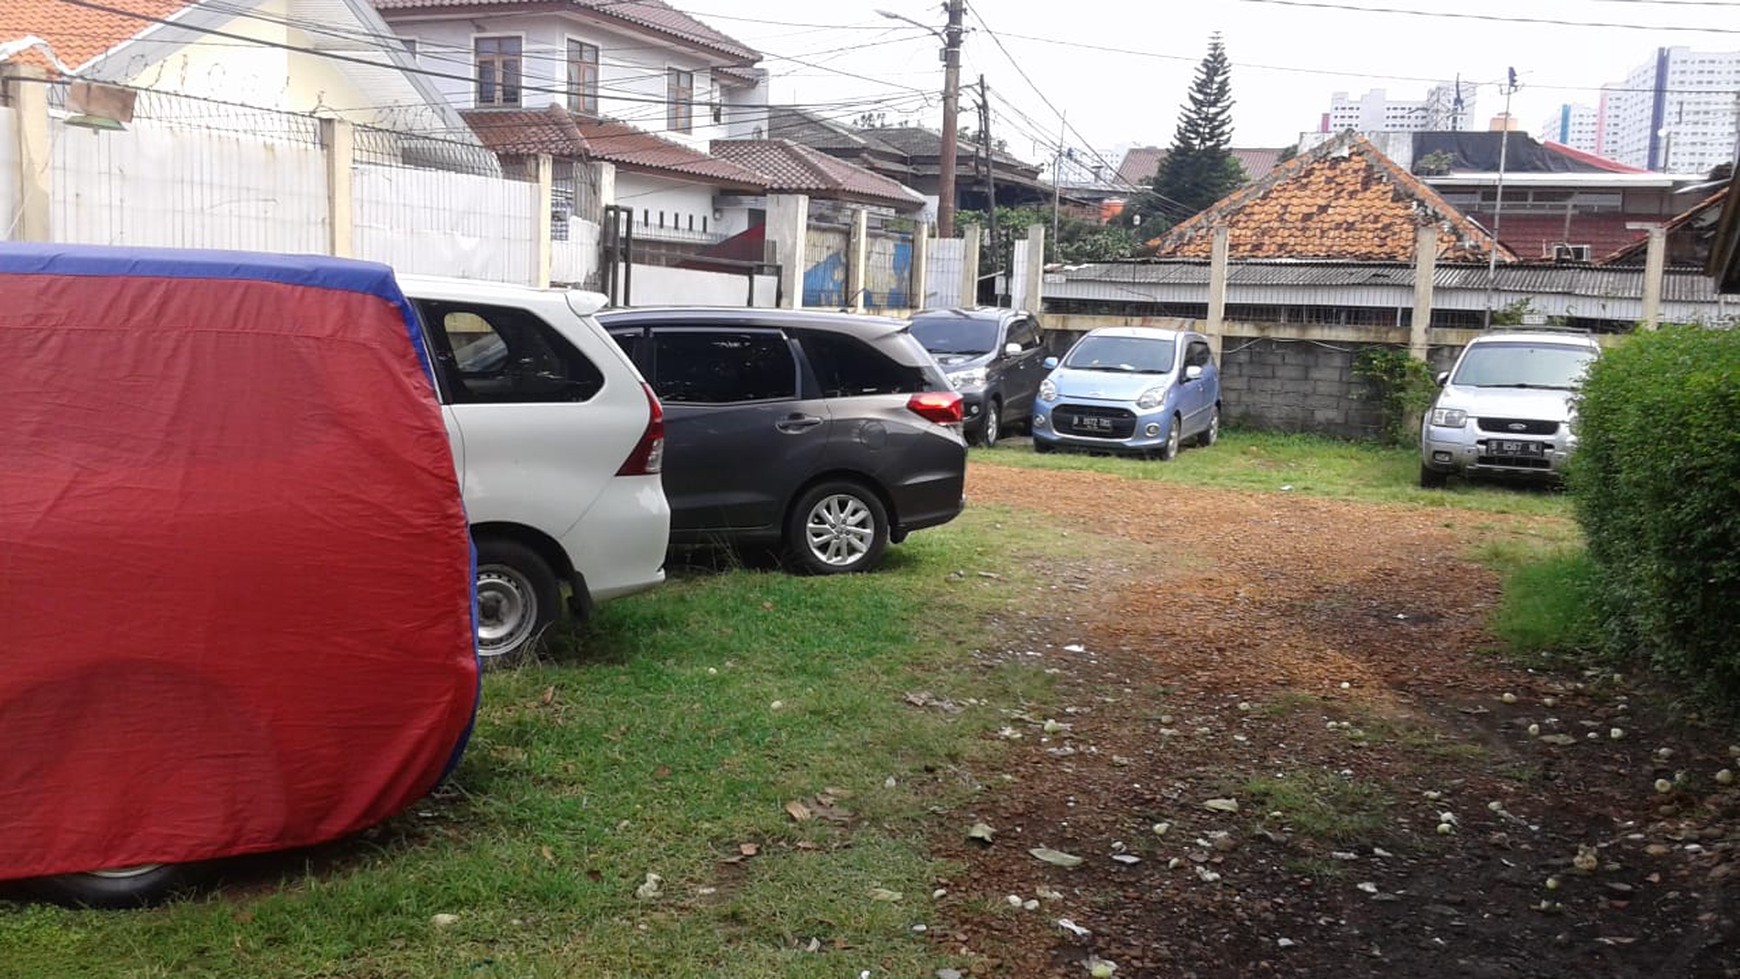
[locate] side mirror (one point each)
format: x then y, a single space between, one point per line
1050 363
1193 372
1443 376
1011 349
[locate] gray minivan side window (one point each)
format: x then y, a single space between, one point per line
1024 331
722 366
845 367
503 355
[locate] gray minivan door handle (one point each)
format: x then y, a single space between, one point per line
794 423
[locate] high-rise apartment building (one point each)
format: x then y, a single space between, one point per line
1448 106
1577 126
1676 113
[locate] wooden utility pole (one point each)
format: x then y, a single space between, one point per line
985 147
945 191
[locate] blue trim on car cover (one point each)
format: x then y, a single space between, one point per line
319 271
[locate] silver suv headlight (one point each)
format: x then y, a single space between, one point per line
972 377
1449 417
1047 391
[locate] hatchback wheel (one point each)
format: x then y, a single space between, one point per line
1211 434
517 599
836 528
119 887
1174 436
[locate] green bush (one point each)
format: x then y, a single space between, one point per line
1401 385
1656 484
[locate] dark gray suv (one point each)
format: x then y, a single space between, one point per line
828 434
994 357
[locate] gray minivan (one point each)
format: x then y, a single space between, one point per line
828 434
994 357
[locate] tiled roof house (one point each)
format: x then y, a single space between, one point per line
1344 201
1141 163
790 168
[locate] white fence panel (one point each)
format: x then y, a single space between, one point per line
654 285
8 174
1016 286
575 261
436 222
162 186
942 273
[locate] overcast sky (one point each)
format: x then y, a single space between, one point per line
1287 60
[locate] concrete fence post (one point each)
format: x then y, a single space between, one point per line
971 239
920 284
858 260
1217 272
1035 277
788 220
27 93
338 148
1425 268
1654 270
542 219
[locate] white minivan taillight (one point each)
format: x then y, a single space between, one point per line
942 407
648 457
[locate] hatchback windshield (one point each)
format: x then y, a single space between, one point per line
1523 365
955 335
1129 355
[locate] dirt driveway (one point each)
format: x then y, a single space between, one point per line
1406 802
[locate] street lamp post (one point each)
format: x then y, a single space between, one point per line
951 38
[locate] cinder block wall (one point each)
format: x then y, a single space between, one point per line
1281 383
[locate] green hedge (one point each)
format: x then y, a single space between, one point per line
1656 483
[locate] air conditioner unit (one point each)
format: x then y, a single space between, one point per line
1571 253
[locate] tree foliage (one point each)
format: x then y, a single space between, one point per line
1199 169
1078 240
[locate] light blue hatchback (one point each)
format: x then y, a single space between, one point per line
1130 389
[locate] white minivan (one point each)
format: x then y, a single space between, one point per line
559 444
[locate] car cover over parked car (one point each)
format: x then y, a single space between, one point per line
234 562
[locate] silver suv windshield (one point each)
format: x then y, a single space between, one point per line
1128 355
1523 365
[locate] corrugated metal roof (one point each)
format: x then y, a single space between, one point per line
1510 278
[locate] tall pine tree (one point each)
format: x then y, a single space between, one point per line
1199 169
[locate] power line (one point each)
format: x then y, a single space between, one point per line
1457 15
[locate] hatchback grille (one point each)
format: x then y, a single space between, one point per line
1528 426
1093 421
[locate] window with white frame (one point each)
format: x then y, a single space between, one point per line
583 77
498 70
680 96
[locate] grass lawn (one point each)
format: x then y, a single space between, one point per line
1266 462
673 738
669 743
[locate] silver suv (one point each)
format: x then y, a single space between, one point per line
1505 409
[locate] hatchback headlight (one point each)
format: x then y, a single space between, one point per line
1047 391
973 377
1449 417
1152 397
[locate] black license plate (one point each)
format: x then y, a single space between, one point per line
1090 423
1517 449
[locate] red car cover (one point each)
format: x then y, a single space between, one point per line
236 586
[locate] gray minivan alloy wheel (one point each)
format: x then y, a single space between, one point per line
116 887
837 528
993 424
517 599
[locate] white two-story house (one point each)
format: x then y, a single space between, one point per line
635 83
